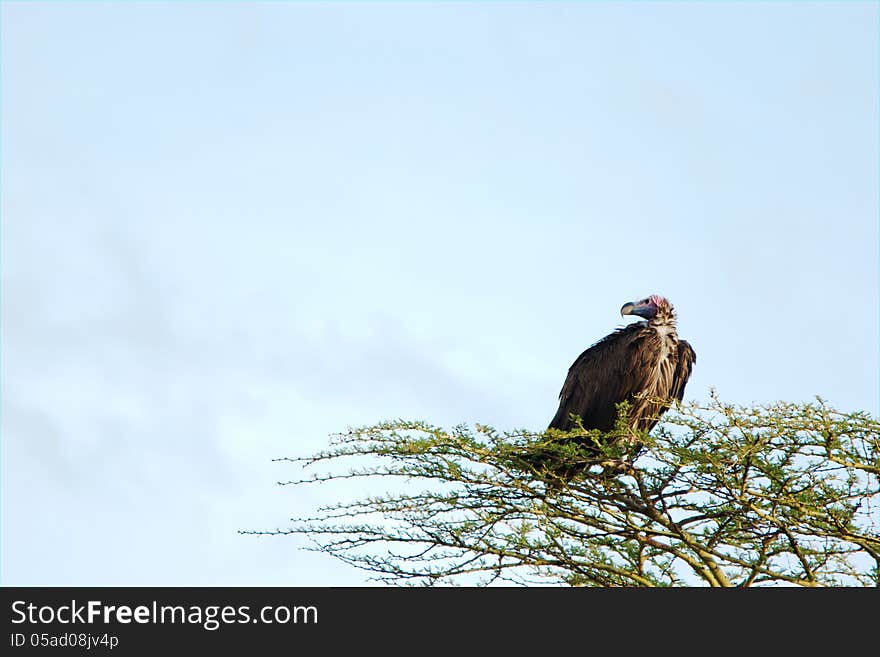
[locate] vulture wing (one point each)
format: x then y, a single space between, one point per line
612 370
686 359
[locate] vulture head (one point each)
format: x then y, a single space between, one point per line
648 307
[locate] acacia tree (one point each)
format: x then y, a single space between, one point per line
719 495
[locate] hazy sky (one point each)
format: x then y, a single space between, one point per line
229 230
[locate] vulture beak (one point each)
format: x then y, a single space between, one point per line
628 309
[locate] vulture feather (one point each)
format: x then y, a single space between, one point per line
644 363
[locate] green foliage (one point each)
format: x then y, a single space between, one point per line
719 495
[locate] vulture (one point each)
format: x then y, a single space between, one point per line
644 363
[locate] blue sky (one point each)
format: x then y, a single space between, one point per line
229 230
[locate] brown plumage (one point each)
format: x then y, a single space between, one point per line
644 363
